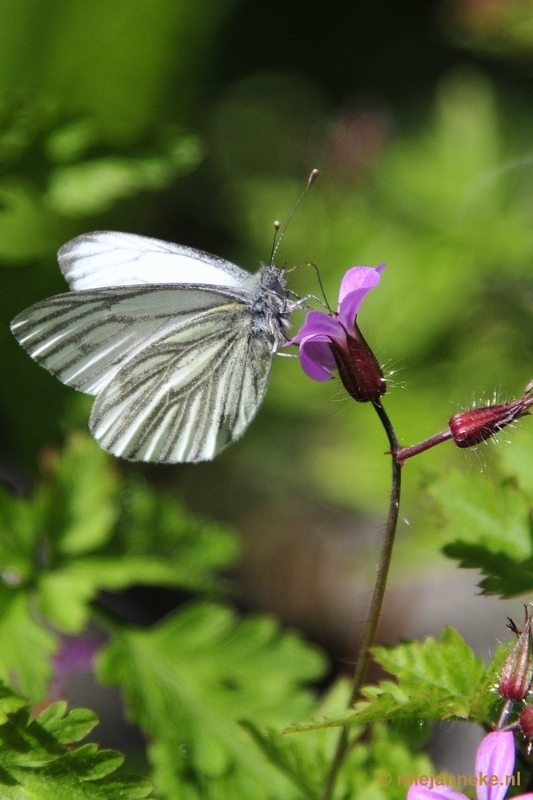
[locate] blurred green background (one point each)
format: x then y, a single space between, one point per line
199 122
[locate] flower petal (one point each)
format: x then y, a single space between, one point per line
359 278
317 323
354 287
495 756
316 357
435 793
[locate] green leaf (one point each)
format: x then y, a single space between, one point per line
306 760
36 762
72 728
504 576
64 599
155 541
26 646
494 515
93 187
28 230
151 522
66 594
18 538
85 532
75 504
436 680
491 526
450 664
10 701
190 680
518 459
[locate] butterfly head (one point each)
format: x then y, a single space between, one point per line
272 279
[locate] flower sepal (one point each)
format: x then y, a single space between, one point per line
359 370
517 673
474 426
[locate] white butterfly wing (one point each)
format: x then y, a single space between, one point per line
103 259
188 397
178 372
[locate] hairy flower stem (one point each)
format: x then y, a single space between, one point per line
376 604
403 453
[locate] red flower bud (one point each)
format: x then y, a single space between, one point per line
474 426
359 370
517 673
526 721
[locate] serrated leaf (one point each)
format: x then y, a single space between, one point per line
412 703
306 760
491 528
450 664
305 763
18 538
35 762
84 533
157 523
64 599
72 728
66 593
437 680
90 763
190 680
26 646
76 504
10 702
518 460
504 576
480 512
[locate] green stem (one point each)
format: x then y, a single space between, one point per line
376 604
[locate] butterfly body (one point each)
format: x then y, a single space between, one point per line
271 308
175 345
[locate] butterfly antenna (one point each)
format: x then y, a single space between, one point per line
312 177
319 278
321 287
276 231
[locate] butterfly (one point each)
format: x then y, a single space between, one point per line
175 344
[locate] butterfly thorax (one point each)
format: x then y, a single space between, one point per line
271 307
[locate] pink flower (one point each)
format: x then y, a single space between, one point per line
494 765
335 342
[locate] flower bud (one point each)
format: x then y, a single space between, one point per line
359 370
517 673
478 424
526 721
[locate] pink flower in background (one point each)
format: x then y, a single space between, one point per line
75 655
